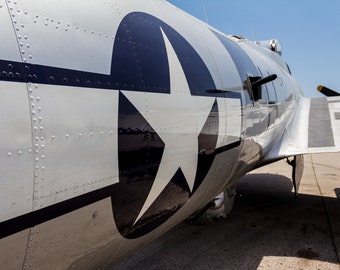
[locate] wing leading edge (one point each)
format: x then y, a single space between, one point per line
314 129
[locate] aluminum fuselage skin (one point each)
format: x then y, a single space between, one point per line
119 120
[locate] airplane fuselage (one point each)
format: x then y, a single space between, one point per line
119 120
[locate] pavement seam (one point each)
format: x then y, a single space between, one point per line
326 212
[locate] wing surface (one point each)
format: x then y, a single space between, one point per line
314 129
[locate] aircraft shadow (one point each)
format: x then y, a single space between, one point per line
266 222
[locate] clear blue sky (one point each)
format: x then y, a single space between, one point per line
309 32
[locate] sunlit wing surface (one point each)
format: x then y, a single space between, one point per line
315 129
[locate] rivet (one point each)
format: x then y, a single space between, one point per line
34 119
41 128
36 159
42 138
42 156
29 150
9 154
40 118
102 133
39 108
20 152
91 133
52 137
67 136
38 98
80 134
42 168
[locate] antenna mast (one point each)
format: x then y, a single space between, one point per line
205 12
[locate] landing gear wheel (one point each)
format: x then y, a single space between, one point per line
215 210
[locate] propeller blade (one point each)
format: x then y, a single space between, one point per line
327 92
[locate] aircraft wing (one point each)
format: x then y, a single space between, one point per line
314 129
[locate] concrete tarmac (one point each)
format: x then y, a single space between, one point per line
267 228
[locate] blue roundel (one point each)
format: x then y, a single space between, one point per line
140 62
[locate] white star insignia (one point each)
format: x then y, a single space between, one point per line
178 119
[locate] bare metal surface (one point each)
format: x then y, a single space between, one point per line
267 229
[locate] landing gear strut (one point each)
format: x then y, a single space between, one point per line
298 164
